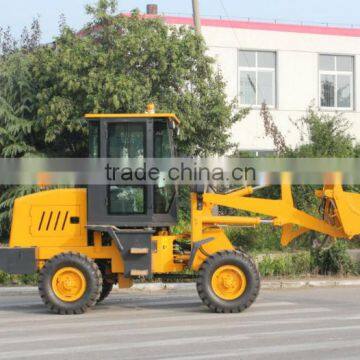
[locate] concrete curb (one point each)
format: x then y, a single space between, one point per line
18 290
152 287
265 284
296 284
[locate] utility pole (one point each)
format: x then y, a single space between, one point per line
196 15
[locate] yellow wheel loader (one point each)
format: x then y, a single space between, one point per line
83 241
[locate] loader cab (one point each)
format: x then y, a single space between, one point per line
148 135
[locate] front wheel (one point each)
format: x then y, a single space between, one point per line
228 282
70 283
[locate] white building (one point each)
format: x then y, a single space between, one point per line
289 67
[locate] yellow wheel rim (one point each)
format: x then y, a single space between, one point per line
228 282
69 284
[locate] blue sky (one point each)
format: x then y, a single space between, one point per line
19 13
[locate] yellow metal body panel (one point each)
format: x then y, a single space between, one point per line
219 242
46 221
200 230
43 219
163 260
124 283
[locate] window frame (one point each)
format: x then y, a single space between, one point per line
257 69
92 124
336 73
168 209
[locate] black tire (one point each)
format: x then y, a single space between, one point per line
245 264
89 270
106 290
108 280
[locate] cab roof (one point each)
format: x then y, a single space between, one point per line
133 116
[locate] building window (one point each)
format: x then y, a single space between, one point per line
257 78
336 81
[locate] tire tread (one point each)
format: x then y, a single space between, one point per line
210 301
65 257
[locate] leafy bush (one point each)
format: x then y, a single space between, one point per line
301 263
333 260
7 279
322 135
285 264
259 239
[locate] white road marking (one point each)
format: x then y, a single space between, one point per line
185 328
56 324
273 304
112 310
258 350
276 349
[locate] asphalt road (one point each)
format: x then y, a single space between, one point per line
283 324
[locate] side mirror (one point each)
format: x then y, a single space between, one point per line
174 127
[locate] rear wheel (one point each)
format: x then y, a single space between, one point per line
106 290
70 283
108 280
228 282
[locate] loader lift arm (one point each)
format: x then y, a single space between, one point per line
280 212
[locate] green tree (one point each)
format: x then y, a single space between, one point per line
17 106
116 64
119 64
